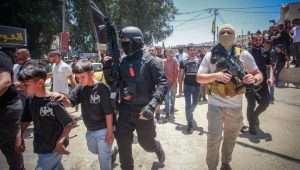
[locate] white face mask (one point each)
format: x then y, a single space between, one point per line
226 40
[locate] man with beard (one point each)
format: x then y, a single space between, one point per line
263 61
224 100
22 58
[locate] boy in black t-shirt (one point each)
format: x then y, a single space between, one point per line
52 123
97 112
188 71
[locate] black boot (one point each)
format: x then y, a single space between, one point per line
252 130
225 166
189 128
160 153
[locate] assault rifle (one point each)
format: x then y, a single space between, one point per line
232 65
106 33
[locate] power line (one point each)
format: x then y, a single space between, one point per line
251 12
192 19
188 20
215 12
192 12
192 27
234 8
255 7
221 18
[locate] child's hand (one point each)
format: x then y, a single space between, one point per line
270 82
20 144
57 96
61 149
109 138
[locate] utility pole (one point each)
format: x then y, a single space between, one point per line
242 38
94 29
215 13
63 7
217 32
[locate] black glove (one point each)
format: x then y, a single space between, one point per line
148 112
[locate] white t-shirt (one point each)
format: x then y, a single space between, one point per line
296 33
232 102
181 57
61 73
16 70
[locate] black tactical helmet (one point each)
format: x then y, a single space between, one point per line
132 39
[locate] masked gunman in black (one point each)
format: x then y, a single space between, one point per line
143 87
10 111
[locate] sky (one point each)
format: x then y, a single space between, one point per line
198 27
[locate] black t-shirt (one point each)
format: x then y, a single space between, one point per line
95 104
280 58
283 38
49 119
11 94
190 67
262 59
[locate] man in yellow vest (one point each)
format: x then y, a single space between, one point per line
224 98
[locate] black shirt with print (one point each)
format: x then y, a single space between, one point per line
95 104
49 119
190 67
262 59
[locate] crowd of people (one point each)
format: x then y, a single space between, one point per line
148 78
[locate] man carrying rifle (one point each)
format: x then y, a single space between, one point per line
11 108
226 89
144 86
138 85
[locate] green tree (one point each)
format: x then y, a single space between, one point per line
80 26
153 17
41 18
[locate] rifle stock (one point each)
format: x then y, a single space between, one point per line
106 33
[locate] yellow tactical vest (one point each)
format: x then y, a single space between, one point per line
229 89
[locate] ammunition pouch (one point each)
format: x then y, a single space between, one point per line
225 90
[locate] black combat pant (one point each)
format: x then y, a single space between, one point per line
278 67
10 115
253 110
14 159
129 121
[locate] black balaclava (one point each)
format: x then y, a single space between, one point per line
131 39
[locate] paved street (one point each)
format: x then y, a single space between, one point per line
277 147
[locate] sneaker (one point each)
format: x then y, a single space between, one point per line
114 155
244 129
225 166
